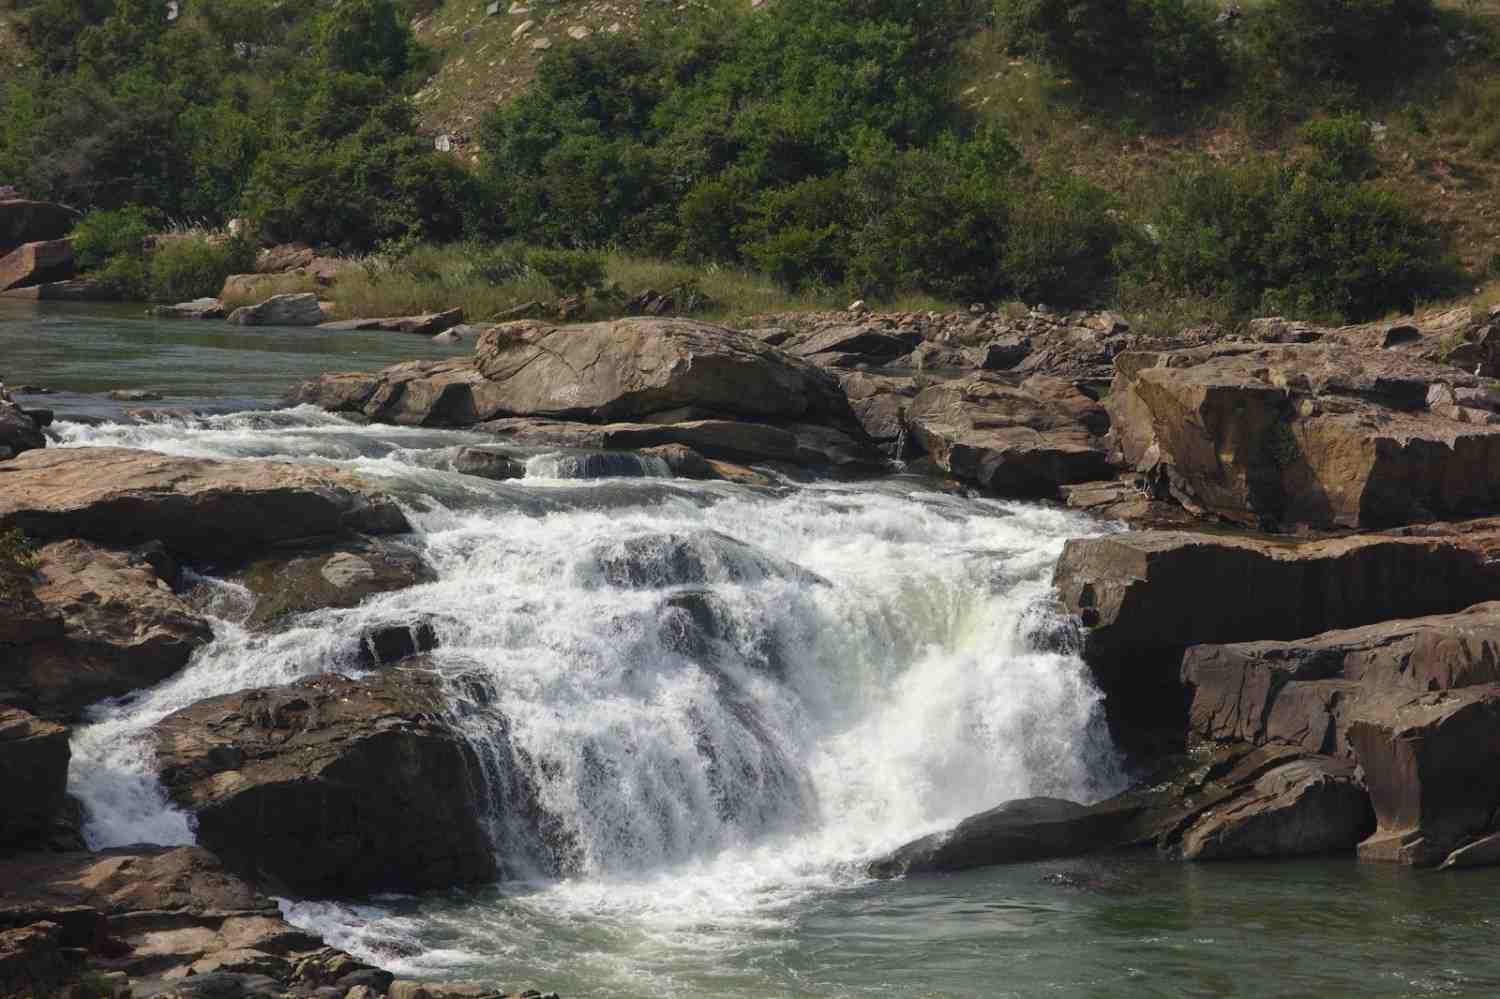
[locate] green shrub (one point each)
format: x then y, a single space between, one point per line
570 272
180 270
1357 41
103 235
1167 46
1343 147
18 559
1272 237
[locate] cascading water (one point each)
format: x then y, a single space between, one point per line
719 699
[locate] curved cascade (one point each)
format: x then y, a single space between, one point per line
718 699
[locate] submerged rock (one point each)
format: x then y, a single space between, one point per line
331 786
198 508
281 310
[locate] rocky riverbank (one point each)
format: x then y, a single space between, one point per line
1295 636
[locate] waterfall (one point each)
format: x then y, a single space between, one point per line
714 698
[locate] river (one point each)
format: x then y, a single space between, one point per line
728 698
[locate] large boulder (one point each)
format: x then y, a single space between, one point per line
1012 833
1301 808
122 629
1319 434
301 309
1144 597
1430 761
1022 440
33 775
19 430
331 786
24 221
604 372
342 575
197 507
36 263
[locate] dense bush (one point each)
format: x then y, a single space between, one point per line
1167 46
1357 41
184 268
1275 237
103 234
111 246
569 272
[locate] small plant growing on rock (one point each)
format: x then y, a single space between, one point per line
18 559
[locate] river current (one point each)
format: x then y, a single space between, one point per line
727 698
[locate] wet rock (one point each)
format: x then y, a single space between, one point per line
281 310
198 508
1014 441
312 788
1302 808
1314 434
1483 852
135 395
198 308
1015 832
283 258
36 263
19 429
1123 499
343 575
390 645
34 773
122 629
683 461
485 464
881 404
429 324
1142 600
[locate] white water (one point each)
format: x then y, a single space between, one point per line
725 698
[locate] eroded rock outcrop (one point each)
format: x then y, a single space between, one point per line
331 786
1319 434
36 263
197 507
1144 597
343 575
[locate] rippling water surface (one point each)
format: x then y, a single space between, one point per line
726 699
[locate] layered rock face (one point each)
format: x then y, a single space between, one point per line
1416 703
1317 434
199 507
1144 597
332 787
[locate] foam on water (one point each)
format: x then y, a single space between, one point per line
721 700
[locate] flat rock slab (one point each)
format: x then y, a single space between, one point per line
429 324
198 308
198 508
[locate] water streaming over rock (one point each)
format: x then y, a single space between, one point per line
696 701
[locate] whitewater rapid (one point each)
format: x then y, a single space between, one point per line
725 698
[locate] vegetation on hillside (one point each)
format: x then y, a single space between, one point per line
838 147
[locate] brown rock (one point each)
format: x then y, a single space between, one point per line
429 324
314 788
19 430
1314 434
123 629
36 263
1430 761
32 961
34 773
1301 808
197 507
1144 597
630 368
342 575
76 290
491 465
301 309
284 257
1014 441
